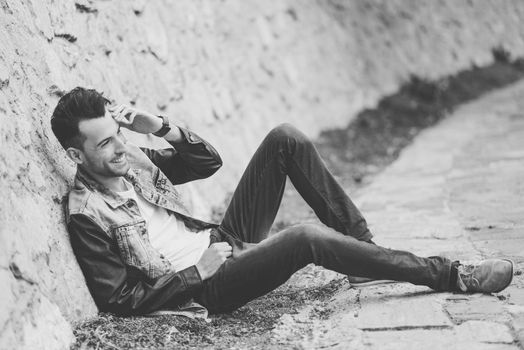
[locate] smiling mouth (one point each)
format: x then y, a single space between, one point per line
119 159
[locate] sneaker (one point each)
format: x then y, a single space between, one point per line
489 276
365 281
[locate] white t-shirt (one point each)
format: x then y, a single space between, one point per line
169 235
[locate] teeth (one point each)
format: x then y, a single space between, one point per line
119 159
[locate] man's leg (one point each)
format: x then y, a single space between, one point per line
286 151
262 268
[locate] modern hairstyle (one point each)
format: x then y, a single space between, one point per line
76 105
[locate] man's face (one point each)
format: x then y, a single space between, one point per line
104 150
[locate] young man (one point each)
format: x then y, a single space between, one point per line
141 250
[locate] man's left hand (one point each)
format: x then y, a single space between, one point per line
135 119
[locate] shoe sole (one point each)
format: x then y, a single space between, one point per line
372 283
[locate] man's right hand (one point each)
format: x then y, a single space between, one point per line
213 257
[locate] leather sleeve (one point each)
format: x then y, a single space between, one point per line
119 288
191 159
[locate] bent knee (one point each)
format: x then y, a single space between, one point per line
286 132
306 232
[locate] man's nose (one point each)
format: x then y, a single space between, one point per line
121 142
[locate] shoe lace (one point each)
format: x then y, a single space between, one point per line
466 281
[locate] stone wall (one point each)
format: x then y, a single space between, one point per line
229 70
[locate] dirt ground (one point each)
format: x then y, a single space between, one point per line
354 154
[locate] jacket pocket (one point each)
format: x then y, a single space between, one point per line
131 245
136 250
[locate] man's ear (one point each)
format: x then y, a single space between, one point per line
75 155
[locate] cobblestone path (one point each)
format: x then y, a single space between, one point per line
457 191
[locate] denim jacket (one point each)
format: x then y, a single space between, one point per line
124 273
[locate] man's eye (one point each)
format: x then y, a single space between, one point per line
105 143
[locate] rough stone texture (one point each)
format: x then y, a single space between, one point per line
517 315
482 336
469 335
391 308
230 69
475 307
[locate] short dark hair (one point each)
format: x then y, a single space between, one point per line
76 105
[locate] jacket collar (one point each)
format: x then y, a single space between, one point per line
83 179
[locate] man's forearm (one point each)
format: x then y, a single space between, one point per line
190 159
144 122
174 135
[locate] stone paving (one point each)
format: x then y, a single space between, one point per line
457 191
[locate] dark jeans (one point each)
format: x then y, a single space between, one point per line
256 269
